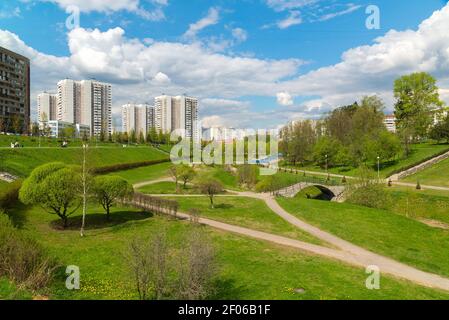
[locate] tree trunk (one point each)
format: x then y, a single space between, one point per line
211 197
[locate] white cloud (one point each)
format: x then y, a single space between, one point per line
294 18
284 99
213 16
350 8
108 6
239 34
10 13
372 69
140 70
132 66
161 78
281 5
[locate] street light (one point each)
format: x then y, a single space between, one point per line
326 164
378 167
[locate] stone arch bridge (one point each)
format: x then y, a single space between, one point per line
335 192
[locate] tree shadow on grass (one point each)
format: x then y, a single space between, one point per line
224 206
17 214
227 289
99 220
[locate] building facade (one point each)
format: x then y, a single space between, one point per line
390 122
14 91
46 107
177 113
59 129
138 118
88 103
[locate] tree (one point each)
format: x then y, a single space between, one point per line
247 174
69 132
440 131
326 148
149 263
210 187
141 138
186 174
107 189
197 266
52 186
2 125
16 123
175 172
417 98
297 141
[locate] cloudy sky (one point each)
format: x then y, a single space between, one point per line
252 63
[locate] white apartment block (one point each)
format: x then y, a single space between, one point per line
180 112
163 113
86 102
46 107
137 118
390 123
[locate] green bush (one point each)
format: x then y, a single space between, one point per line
22 259
9 196
371 195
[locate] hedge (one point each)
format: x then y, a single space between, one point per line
127 166
9 195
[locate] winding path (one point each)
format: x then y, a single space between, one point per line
345 252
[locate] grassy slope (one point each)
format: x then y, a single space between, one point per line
380 231
245 212
144 173
419 152
436 175
249 269
167 187
23 161
416 204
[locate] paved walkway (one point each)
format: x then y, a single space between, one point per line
423 187
345 252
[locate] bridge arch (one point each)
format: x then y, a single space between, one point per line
331 192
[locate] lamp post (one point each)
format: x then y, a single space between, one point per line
378 168
327 164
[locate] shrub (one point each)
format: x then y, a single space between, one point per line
372 196
22 259
9 196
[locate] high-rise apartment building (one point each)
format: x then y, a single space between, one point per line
86 102
137 118
46 107
180 112
14 91
163 113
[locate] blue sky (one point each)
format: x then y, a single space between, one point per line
253 63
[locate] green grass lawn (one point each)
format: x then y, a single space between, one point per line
22 161
418 154
430 192
380 231
167 187
248 269
420 204
142 174
9 291
228 179
244 212
436 175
